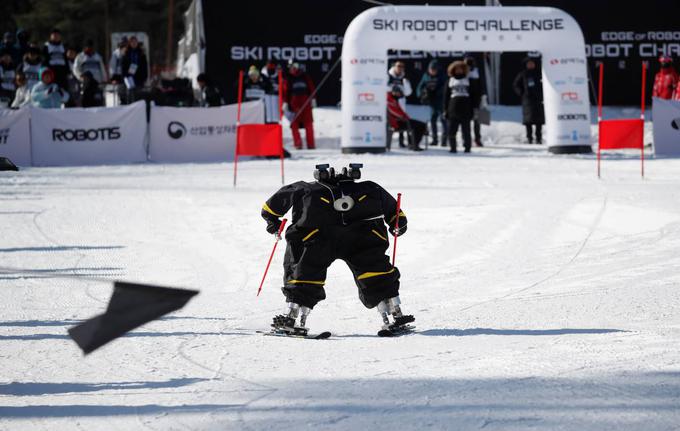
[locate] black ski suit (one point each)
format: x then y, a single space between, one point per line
319 235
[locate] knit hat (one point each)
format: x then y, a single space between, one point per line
252 71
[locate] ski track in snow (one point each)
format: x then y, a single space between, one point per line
545 299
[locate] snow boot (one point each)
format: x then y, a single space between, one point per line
391 307
286 323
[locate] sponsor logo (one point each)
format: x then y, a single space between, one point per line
176 129
366 99
368 61
367 118
569 60
572 80
573 136
79 135
366 138
470 25
570 98
674 124
369 81
4 136
568 117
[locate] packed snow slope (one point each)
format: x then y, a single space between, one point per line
544 297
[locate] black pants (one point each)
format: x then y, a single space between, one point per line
477 128
415 131
454 123
539 136
361 245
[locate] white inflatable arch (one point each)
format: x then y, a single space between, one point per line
456 28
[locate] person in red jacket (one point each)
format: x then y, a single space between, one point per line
666 79
298 89
398 120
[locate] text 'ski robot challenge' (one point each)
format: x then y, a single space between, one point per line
337 217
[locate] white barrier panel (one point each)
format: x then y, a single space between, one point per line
666 123
88 136
15 136
198 134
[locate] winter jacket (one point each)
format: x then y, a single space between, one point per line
255 90
313 204
22 97
665 83
48 96
89 63
54 56
297 89
477 87
395 115
457 94
31 70
7 86
210 96
529 87
401 82
430 90
272 79
136 66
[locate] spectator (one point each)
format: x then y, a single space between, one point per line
54 55
31 66
73 84
477 96
528 86
430 91
9 44
47 93
89 61
254 87
116 62
7 78
397 77
91 95
209 94
22 97
271 73
22 44
135 63
458 104
666 79
398 120
299 91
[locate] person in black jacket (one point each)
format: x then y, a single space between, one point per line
90 93
430 92
54 56
135 64
458 104
336 217
210 95
477 96
529 87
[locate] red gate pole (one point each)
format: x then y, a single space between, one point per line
599 114
238 122
642 116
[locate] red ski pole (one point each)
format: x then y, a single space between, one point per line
396 229
278 238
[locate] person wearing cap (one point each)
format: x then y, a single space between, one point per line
270 73
90 61
31 65
7 77
22 44
298 100
254 87
666 79
47 93
528 86
430 92
54 56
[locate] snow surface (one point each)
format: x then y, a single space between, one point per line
545 298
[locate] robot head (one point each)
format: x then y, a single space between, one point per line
325 173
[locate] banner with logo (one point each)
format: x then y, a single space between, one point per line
89 136
15 136
198 134
666 123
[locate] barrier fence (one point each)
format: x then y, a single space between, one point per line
91 136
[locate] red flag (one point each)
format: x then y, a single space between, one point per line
259 140
621 134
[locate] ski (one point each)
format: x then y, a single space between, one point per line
396 331
320 336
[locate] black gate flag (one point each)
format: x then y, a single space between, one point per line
131 305
7 165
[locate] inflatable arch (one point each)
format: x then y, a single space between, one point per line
440 28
